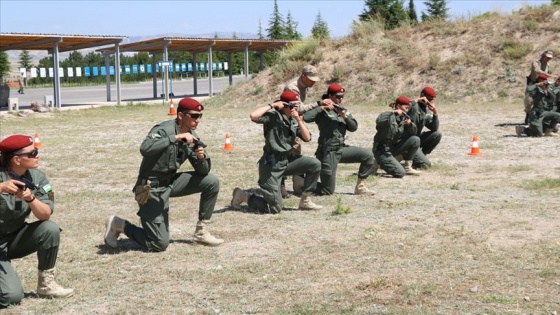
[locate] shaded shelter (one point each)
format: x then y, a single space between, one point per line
55 44
195 46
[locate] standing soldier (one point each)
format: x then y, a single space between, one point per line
166 147
281 125
423 113
538 67
307 79
333 121
396 140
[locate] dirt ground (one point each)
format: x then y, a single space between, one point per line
472 235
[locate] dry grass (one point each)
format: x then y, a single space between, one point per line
471 235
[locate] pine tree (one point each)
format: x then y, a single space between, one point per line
4 64
25 60
276 26
435 9
320 29
392 12
260 33
412 12
291 28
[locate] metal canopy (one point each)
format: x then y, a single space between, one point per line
16 41
194 46
197 45
56 43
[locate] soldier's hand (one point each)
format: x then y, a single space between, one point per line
200 153
12 187
185 137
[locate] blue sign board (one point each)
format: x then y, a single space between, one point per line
112 70
95 71
135 69
149 68
127 69
142 69
189 67
103 71
87 72
201 68
184 67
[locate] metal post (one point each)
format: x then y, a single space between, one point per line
165 75
107 76
56 65
210 71
117 72
195 75
154 75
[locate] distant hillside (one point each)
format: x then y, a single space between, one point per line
477 59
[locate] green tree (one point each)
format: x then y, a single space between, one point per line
276 25
25 60
260 32
412 12
435 9
320 29
556 2
291 28
391 12
4 64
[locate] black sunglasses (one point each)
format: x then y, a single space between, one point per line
339 96
31 154
194 116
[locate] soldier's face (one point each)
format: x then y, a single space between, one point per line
191 119
308 82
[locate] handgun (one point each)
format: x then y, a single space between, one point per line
289 105
26 183
196 142
339 107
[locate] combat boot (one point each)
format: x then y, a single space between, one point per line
202 235
550 133
48 288
408 168
239 196
361 188
298 182
399 157
305 203
114 227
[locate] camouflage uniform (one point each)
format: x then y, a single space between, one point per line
542 115
163 155
332 149
280 134
422 117
394 138
19 239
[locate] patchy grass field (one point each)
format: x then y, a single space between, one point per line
473 235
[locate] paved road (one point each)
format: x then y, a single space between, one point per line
88 95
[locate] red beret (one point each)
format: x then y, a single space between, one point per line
542 76
15 142
289 96
429 92
335 88
190 104
403 100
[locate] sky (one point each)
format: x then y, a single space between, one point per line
192 17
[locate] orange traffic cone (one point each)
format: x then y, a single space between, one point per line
227 145
475 150
172 111
37 141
